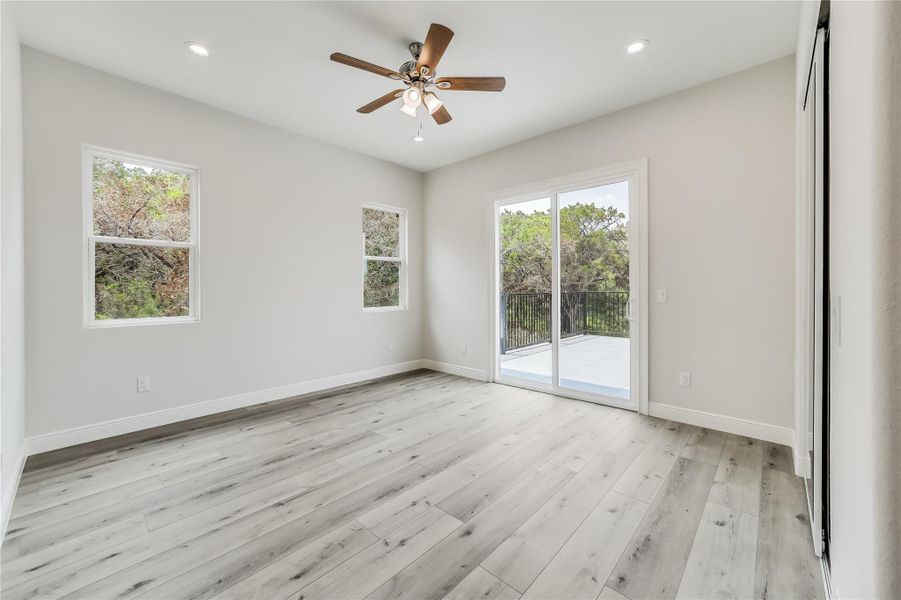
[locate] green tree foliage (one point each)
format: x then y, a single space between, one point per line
594 250
134 281
136 202
525 251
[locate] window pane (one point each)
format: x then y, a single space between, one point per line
140 281
594 352
381 233
381 283
525 290
140 202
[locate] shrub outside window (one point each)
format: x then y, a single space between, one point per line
141 247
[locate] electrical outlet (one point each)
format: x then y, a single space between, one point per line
390 346
143 384
661 296
685 379
462 348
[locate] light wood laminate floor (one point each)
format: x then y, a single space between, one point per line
418 486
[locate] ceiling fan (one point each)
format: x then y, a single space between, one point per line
420 77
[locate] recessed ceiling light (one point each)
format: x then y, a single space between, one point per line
636 46
418 138
197 49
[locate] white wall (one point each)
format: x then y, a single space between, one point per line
12 269
720 161
280 245
865 251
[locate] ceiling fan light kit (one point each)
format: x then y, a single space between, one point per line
432 103
420 76
412 97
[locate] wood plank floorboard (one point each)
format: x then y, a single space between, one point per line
581 568
365 572
434 574
737 480
646 475
785 568
654 560
467 502
522 556
422 485
480 584
722 559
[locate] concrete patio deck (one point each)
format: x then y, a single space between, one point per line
588 363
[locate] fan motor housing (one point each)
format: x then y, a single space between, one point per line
409 67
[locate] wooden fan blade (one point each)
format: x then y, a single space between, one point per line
350 61
433 49
441 116
472 84
380 102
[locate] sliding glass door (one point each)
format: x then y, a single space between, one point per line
566 269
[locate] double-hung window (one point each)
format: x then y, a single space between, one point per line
384 258
141 249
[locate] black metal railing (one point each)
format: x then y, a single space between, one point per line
526 317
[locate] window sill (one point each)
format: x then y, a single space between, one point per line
111 323
378 309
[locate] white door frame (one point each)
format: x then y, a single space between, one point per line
636 172
811 321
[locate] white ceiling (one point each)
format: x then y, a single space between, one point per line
564 61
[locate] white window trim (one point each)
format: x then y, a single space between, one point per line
401 259
89 153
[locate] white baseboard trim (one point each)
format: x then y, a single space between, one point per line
98 431
745 427
800 457
434 365
9 494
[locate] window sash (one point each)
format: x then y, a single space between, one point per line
106 239
89 153
401 232
91 319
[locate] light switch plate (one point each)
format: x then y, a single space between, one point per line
661 296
